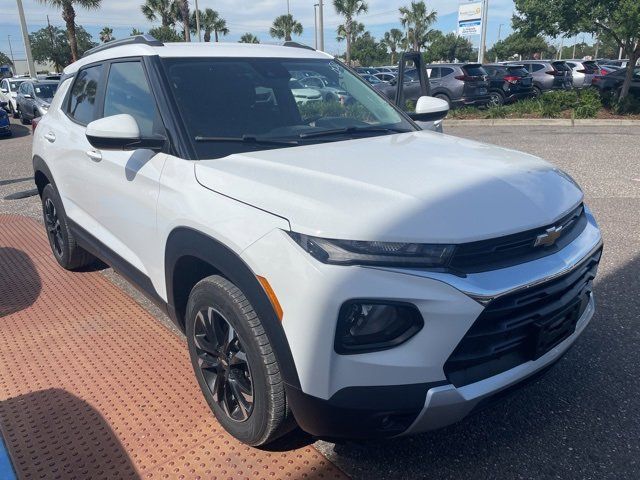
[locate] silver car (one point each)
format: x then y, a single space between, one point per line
548 74
583 72
331 92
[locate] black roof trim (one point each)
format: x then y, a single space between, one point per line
137 39
293 44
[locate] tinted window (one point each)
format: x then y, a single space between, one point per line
561 66
45 91
444 71
519 71
23 88
14 85
536 67
433 72
82 100
128 92
474 70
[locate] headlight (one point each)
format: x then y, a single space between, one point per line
354 252
44 108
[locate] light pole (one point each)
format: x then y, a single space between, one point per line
483 33
315 24
11 52
198 22
25 37
499 32
320 27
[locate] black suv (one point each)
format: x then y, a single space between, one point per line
508 83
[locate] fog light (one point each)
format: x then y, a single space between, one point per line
369 326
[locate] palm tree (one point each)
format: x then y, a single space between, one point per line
210 21
69 17
106 35
249 38
135 31
181 7
284 26
393 40
162 9
349 9
417 19
357 28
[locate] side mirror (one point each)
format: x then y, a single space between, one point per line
120 132
430 109
4 90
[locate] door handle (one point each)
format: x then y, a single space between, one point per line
50 136
94 155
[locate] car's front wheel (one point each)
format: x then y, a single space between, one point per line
496 99
234 362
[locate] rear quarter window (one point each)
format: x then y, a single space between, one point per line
445 71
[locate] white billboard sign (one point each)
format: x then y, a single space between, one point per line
470 18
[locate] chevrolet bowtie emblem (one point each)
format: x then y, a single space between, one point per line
549 237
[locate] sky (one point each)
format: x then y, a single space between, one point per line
242 16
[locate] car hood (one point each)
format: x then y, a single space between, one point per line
412 187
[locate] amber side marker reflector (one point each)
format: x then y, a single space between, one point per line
272 296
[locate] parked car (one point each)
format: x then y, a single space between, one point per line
372 79
459 84
9 92
508 83
331 92
582 71
386 70
411 85
34 98
386 77
615 63
348 272
5 124
606 69
303 95
368 70
612 82
548 75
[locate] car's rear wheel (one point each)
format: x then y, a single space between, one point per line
234 363
23 120
496 99
537 92
63 244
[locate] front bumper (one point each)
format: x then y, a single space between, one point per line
403 389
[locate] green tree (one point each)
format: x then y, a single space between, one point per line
210 22
166 34
181 9
367 51
349 9
283 26
417 19
69 17
249 38
619 19
135 32
4 59
51 44
106 35
449 48
357 29
160 9
393 41
521 44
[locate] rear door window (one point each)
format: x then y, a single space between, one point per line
82 105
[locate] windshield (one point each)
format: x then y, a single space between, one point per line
14 85
45 91
235 105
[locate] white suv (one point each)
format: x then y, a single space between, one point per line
331 265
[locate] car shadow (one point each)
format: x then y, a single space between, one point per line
18 130
54 434
20 283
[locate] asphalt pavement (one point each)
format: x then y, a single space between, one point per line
581 420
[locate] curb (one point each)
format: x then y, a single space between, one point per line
543 122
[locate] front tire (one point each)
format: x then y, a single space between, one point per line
234 363
496 99
63 244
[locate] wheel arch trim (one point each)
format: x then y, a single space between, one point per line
186 242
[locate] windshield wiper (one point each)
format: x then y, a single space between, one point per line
351 130
247 139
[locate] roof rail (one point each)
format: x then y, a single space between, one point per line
291 43
137 39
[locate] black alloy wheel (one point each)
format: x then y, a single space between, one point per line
54 229
223 362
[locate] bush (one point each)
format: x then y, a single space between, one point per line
589 104
525 107
464 112
562 99
496 112
628 105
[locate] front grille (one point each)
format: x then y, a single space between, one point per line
518 248
518 327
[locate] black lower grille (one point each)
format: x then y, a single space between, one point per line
522 326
